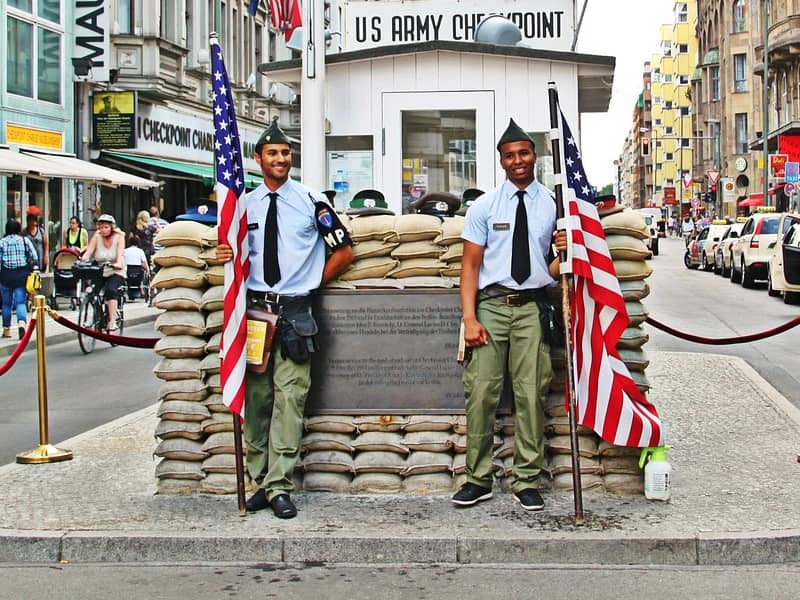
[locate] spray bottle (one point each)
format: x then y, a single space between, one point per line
657 473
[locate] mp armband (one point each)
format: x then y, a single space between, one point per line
330 227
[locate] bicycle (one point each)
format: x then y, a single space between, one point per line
92 312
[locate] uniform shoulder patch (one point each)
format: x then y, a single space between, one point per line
330 227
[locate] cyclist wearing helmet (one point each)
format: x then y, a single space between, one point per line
107 245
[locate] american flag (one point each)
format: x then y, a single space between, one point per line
607 398
284 15
232 211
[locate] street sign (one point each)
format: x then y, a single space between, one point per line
695 201
789 189
792 172
713 175
687 179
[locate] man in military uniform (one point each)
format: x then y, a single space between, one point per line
284 270
508 262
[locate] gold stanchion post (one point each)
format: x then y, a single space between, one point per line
44 452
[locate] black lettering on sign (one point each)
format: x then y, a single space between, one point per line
362 31
538 24
416 28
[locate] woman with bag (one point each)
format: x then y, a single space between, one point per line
17 260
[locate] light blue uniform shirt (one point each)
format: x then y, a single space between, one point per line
301 251
490 223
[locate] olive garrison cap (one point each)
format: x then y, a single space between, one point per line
438 204
272 135
514 133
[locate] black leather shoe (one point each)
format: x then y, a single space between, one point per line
282 507
257 501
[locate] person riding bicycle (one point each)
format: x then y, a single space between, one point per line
107 246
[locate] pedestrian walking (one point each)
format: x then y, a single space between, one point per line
687 229
35 233
17 259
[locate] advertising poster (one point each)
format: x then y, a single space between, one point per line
113 119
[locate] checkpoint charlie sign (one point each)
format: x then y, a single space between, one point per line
545 24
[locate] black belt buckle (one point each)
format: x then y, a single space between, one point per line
515 300
267 300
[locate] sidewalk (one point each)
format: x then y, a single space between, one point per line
136 312
735 499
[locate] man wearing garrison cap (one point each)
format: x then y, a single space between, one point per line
297 244
508 263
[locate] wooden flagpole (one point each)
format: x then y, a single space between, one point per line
237 450
566 303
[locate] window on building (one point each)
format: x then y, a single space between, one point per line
683 142
741 133
684 111
683 79
439 152
683 48
33 70
667 78
668 130
681 12
666 48
125 16
740 72
739 24
169 27
784 100
714 84
669 156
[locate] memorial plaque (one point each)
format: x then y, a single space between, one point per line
387 352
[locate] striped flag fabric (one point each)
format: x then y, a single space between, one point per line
607 398
232 217
284 15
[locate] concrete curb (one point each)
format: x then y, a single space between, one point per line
69 335
158 547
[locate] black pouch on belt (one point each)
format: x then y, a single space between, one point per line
552 324
297 331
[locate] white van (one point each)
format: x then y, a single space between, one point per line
652 216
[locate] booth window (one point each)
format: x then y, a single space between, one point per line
438 153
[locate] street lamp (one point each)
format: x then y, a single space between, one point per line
618 164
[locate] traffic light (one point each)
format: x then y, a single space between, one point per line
645 146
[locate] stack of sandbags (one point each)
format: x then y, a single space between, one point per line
450 238
395 252
195 427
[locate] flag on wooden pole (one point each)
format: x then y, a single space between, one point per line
232 211
608 400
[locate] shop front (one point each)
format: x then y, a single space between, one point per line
176 147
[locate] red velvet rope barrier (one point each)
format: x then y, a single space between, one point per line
724 341
119 340
26 337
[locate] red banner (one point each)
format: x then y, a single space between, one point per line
669 196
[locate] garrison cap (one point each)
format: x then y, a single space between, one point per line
438 204
468 196
330 195
272 135
607 205
202 213
368 202
514 133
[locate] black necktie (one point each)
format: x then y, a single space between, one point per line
272 270
520 255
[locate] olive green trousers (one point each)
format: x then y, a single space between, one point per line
515 346
273 422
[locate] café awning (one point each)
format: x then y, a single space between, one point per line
757 199
48 166
204 171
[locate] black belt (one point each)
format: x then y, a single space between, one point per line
511 297
275 302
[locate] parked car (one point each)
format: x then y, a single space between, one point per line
722 256
651 217
750 253
783 275
701 248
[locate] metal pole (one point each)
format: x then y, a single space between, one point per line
765 102
44 452
312 92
